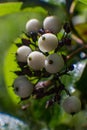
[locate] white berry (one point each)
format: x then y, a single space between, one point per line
72 104
52 24
47 42
33 25
36 60
22 53
54 63
23 87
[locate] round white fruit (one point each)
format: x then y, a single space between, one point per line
22 53
52 24
72 104
33 25
47 42
23 87
54 63
36 60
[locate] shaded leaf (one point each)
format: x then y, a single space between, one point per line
62 127
82 83
75 75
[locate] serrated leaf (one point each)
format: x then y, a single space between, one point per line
11 27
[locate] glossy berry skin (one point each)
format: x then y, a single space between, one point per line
54 63
47 42
23 87
52 24
72 104
36 60
33 25
22 53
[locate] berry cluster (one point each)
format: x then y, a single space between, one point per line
42 64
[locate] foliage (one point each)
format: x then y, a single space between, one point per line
13 17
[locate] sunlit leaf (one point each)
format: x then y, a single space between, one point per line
11 26
79 20
9 71
79 121
80 7
14 27
13 17
7 8
83 1
82 30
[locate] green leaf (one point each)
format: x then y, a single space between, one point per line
82 30
80 19
79 121
82 84
52 9
12 27
9 76
83 1
75 75
7 8
62 127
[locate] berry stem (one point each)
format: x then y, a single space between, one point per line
76 52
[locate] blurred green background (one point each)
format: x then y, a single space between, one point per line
13 17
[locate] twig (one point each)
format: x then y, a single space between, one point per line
76 52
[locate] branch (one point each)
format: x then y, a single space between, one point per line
76 52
